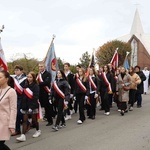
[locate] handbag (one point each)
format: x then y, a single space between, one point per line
126 88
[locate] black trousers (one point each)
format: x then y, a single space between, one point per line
105 100
60 115
80 98
49 112
123 106
132 93
3 146
91 109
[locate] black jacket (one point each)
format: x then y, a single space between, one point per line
43 95
70 78
26 102
64 87
140 88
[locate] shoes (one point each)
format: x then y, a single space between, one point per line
72 111
139 106
68 117
49 124
79 122
22 138
37 134
131 109
119 110
55 128
101 109
122 112
107 113
16 133
93 117
63 125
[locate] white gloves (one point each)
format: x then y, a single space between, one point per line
30 110
96 95
50 101
86 97
21 110
66 102
71 95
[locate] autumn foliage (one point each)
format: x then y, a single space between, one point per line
105 52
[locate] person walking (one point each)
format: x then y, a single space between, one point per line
140 87
60 93
81 93
122 88
135 80
19 82
8 109
44 81
29 105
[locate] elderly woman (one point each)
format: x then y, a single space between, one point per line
123 86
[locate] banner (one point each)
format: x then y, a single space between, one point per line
51 62
3 63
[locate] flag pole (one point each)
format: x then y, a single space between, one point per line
2 28
49 47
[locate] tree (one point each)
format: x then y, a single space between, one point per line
105 52
29 64
60 63
84 60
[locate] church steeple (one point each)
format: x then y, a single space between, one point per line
137 25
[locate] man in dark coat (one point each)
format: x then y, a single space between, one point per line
140 88
44 79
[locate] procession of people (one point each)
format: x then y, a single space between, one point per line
69 93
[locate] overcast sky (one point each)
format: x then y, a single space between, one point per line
79 25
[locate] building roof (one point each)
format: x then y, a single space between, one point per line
137 30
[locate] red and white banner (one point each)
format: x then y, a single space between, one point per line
114 60
106 81
3 63
92 83
81 84
47 89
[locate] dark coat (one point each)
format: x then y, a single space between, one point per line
103 87
26 102
70 78
43 95
140 88
64 87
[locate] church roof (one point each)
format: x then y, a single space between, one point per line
137 30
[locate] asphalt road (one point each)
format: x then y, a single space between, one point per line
114 132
